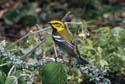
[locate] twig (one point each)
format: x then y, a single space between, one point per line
73 22
39 28
22 38
56 55
41 41
22 57
66 15
9 73
42 30
5 64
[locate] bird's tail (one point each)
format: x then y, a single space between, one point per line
82 60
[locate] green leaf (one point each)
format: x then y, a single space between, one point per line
10 80
53 73
28 19
103 63
11 17
21 80
2 77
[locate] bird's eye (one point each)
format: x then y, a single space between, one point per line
58 25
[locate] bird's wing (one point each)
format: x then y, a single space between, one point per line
70 49
66 35
66 46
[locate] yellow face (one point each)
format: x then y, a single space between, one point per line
58 25
61 29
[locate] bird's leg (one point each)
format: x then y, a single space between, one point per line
70 60
60 55
56 55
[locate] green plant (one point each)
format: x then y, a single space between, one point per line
107 49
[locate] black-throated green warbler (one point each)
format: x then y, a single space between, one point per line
63 38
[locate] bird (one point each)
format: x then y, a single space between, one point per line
63 38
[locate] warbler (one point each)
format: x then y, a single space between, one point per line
64 40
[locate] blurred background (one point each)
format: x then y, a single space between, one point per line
98 26
18 17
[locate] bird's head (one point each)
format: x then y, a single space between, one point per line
57 25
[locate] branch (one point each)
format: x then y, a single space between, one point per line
27 54
22 38
38 28
12 68
66 15
73 22
1 65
